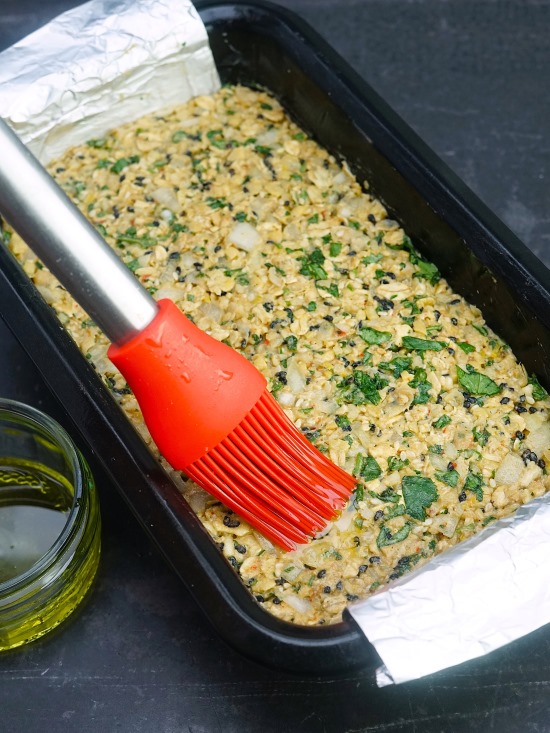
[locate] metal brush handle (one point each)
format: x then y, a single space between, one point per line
53 227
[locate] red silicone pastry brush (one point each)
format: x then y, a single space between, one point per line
207 408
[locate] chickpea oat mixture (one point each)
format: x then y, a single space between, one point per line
267 243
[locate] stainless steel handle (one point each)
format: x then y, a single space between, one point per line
53 227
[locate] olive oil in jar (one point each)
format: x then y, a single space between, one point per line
35 502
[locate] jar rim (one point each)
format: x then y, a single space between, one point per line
78 508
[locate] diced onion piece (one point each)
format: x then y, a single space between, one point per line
445 524
268 137
323 532
197 499
344 521
211 310
265 543
166 197
451 451
292 571
533 420
244 236
530 474
296 381
286 399
302 605
539 440
509 470
167 292
438 461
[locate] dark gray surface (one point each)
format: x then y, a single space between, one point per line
472 78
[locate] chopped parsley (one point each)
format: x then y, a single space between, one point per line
466 347
426 270
442 422
448 477
422 385
366 467
396 366
216 203
474 483
291 343
372 336
343 422
386 537
98 142
475 383
481 436
312 265
539 393
122 163
396 464
335 249
415 344
362 388
419 493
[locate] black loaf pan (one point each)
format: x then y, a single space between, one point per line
260 44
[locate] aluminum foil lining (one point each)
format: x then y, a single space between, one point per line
102 64
111 61
472 599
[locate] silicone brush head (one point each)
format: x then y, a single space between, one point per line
212 417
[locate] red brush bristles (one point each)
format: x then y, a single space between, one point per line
211 416
273 477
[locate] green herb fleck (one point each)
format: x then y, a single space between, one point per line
372 336
474 483
335 249
448 477
386 537
466 347
98 142
418 492
312 265
366 467
396 464
475 383
343 422
362 388
370 259
216 139
216 203
291 343
481 436
442 422
396 366
421 383
332 289
122 163
426 270
482 330
539 393
415 344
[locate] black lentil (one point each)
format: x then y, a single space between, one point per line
231 522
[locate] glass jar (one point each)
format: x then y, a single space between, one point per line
50 531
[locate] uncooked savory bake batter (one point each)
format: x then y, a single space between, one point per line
267 243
